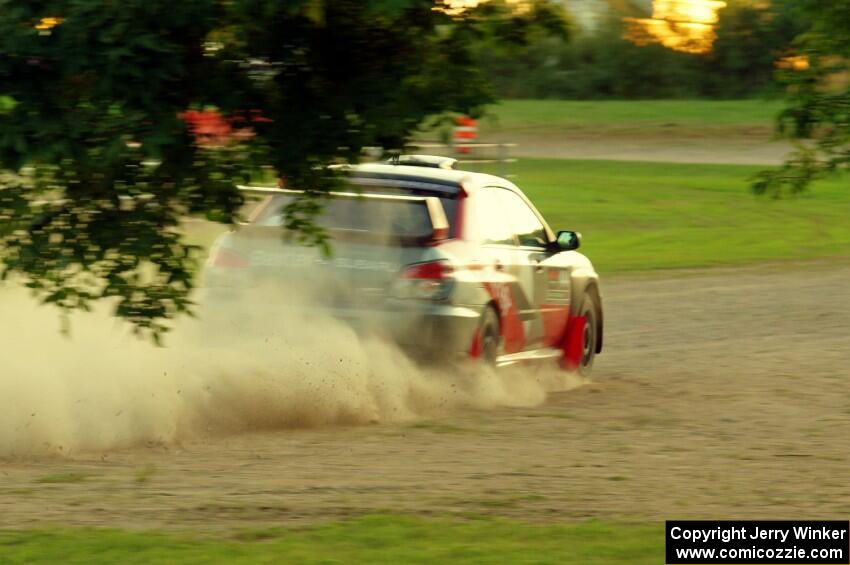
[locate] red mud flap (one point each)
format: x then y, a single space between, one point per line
572 345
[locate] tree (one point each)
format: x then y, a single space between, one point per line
751 37
818 114
118 119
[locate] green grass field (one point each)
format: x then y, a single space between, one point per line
563 114
373 539
644 216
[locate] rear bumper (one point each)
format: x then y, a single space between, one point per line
433 331
424 330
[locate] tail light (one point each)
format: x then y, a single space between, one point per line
228 258
432 280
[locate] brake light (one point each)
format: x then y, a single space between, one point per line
228 258
433 280
433 270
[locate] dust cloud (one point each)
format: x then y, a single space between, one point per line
101 388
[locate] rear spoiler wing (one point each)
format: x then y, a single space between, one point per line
436 212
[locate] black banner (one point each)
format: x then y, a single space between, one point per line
694 542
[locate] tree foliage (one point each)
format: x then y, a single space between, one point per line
818 114
101 106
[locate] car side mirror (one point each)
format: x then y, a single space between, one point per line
567 240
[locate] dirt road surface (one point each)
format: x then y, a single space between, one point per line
720 394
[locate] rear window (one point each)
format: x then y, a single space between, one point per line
392 217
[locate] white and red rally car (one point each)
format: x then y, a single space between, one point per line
446 262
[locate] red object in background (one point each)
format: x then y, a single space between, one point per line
208 126
211 129
466 131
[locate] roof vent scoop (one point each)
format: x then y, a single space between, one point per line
433 161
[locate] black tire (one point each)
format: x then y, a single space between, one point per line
589 334
490 333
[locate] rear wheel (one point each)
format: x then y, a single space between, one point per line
491 336
588 336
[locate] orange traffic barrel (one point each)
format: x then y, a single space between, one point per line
465 132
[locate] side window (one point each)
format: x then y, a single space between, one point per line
491 217
524 222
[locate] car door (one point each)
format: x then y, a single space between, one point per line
503 269
542 272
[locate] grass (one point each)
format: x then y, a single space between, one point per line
643 216
565 114
372 539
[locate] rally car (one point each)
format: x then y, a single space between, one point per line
447 263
